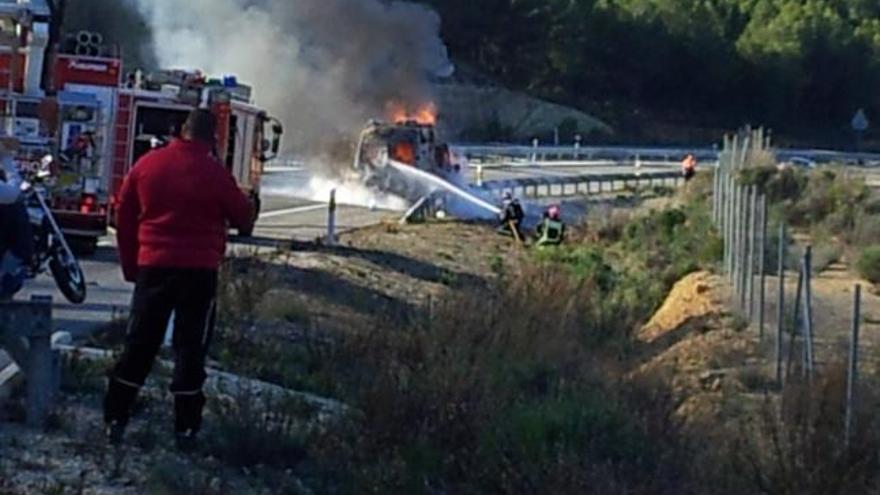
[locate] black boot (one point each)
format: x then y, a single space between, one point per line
117 408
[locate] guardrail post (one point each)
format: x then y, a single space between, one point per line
32 322
480 175
331 219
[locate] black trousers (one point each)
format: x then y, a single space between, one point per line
190 294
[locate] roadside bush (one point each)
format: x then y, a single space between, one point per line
758 176
508 391
866 232
250 430
869 264
788 184
802 450
830 196
825 255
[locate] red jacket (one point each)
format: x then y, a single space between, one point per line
174 208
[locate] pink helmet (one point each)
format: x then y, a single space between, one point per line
554 212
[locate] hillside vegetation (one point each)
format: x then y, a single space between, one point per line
802 66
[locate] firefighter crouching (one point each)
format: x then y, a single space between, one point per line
689 167
551 230
512 216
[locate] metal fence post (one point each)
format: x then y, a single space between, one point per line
798 301
716 195
762 273
725 222
808 311
749 295
853 375
731 224
741 243
780 310
734 237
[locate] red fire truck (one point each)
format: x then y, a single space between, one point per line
151 111
97 123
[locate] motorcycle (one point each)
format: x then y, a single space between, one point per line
51 251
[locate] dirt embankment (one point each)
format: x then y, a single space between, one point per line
392 268
717 365
696 345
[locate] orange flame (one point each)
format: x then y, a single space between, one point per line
425 114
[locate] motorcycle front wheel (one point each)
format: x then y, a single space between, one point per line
68 275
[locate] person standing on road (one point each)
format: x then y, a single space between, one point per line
174 211
689 167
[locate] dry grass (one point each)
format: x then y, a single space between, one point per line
501 392
799 447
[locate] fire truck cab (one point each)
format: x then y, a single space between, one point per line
152 111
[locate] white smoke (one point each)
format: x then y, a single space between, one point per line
351 192
323 66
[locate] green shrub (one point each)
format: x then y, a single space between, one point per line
869 264
866 232
788 184
825 255
502 391
758 176
248 430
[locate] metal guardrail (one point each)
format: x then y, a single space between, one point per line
668 155
556 187
581 184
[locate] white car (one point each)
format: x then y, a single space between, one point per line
799 161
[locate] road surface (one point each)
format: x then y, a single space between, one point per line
284 217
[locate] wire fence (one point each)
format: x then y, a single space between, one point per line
741 213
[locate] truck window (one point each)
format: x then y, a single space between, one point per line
164 123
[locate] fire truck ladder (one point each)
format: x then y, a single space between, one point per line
122 132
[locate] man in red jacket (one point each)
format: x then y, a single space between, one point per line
174 211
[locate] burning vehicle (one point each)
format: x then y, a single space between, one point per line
388 151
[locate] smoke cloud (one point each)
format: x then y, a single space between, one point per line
324 67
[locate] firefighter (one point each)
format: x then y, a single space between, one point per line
551 230
512 215
689 167
172 223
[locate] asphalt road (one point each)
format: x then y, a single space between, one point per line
284 217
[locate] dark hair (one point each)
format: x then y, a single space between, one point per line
201 125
